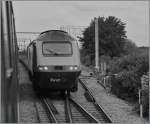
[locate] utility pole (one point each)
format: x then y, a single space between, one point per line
96 45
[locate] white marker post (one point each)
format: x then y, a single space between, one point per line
96 45
141 106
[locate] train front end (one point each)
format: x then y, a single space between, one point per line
58 65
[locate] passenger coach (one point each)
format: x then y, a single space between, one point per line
54 61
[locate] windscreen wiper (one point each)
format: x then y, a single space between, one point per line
51 51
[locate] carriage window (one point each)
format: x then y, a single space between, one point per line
57 48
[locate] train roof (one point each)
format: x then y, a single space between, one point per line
54 35
53 31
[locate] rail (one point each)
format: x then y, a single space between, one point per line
98 106
68 112
86 113
49 110
68 109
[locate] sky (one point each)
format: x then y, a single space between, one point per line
38 16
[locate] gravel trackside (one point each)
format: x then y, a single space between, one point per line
27 111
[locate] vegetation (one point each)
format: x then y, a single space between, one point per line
129 68
129 46
111 37
122 56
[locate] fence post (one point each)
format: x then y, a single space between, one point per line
24 46
141 111
141 106
139 96
104 82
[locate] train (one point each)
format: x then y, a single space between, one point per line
9 61
54 61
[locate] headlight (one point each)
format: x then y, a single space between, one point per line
73 68
76 68
40 68
43 68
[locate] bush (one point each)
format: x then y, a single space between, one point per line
129 70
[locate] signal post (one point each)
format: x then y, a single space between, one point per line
96 45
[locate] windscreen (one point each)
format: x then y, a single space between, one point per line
57 49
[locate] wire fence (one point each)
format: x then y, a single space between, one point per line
24 39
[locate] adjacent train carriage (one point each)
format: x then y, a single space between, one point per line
9 62
54 61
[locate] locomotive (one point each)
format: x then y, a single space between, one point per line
54 61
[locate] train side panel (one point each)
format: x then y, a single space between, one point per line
30 55
9 59
32 58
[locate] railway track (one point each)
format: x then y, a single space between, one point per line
93 107
68 108
73 112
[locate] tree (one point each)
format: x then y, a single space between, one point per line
111 37
129 46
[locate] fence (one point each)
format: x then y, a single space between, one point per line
23 43
24 38
145 82
143 94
